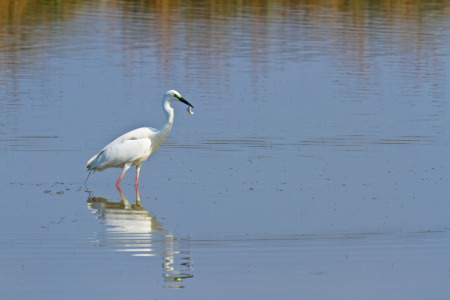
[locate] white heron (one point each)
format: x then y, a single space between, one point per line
134 147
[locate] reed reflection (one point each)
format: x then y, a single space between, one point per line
130 228
267 27
209 37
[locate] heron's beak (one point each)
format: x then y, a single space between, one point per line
185 102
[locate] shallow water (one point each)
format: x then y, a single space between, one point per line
315 165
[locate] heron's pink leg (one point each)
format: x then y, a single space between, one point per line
125 168
138 168
138 200
137 178
120 178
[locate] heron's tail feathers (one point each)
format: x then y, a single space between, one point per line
89 163
92 163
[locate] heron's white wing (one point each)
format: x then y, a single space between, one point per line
137 134
118 153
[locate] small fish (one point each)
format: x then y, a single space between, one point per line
189 110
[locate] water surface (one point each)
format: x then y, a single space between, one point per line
315 165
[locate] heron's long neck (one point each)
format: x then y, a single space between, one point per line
169 120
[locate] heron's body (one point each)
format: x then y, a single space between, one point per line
135 147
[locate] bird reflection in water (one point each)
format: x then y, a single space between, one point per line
131 229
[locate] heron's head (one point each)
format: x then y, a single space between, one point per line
173 95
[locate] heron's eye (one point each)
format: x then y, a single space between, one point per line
178 96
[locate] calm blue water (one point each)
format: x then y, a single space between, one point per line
315 165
